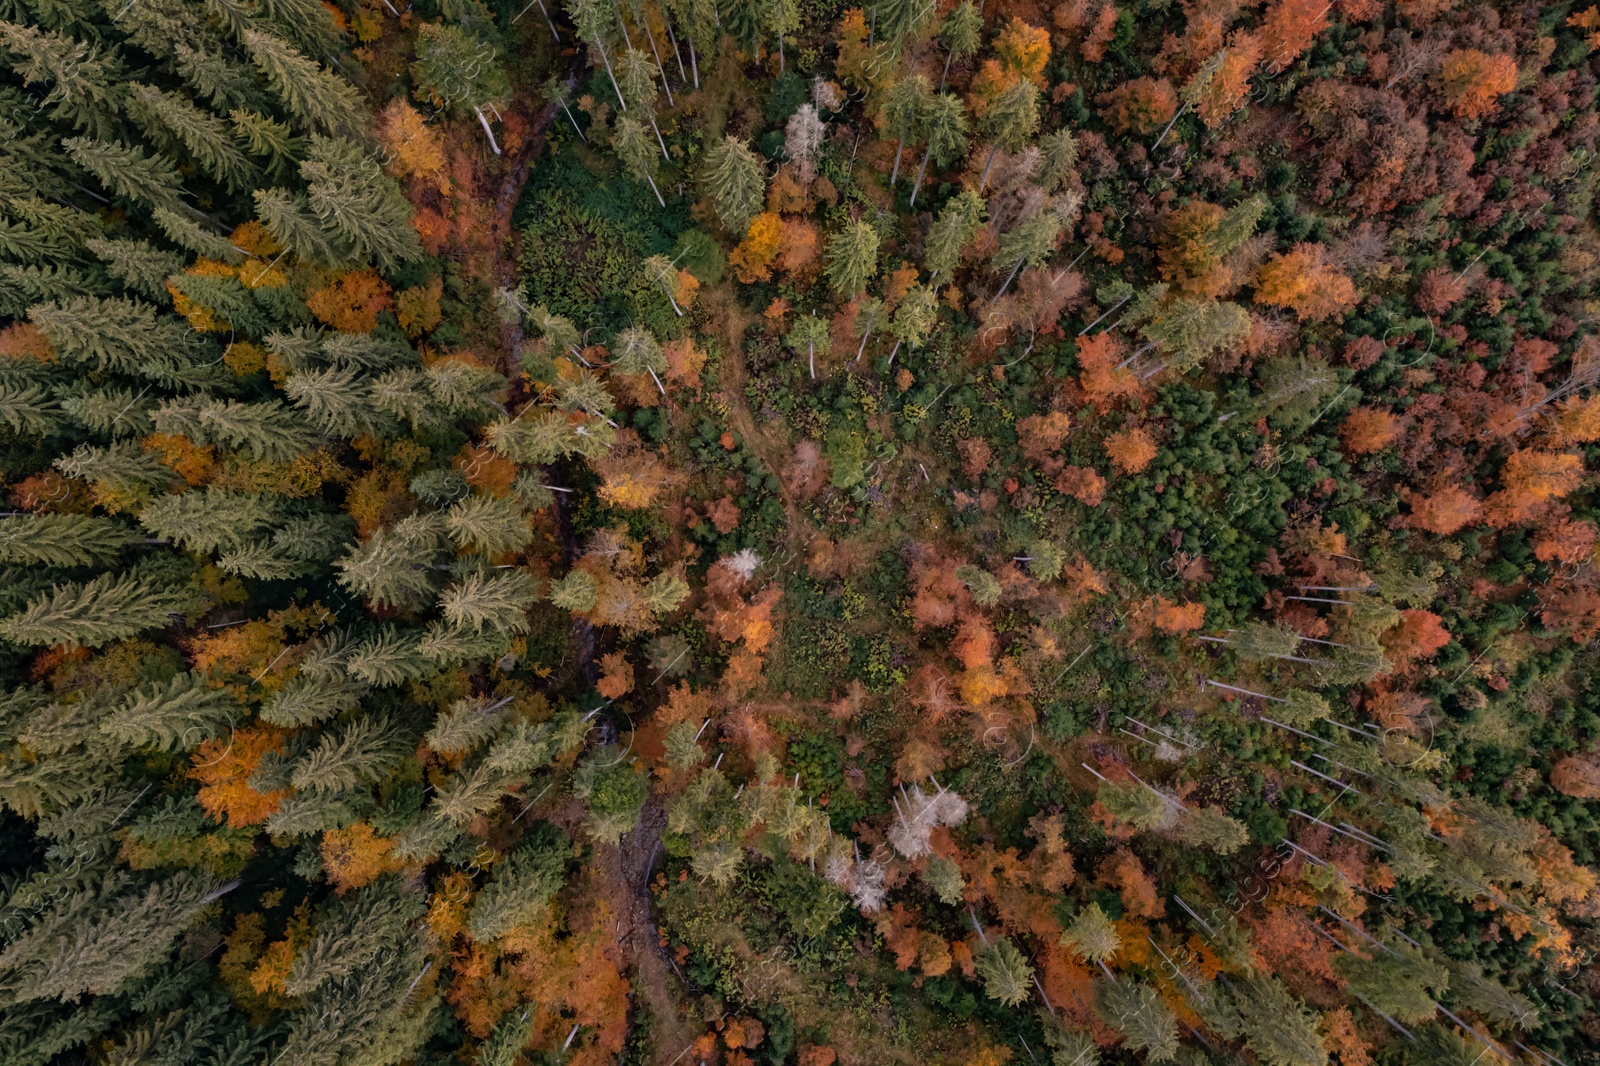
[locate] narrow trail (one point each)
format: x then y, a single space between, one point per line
625 873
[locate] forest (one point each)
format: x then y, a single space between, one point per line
799 533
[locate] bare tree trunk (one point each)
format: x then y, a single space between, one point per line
899 150
1103 317
1164 132
610 74
490 133
659 141
663 203
663 70
865 334
694 64
921 171
574 122
945 76
1009 278
676 51
811 354
987 163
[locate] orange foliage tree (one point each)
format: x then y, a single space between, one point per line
1288 29
352 303
1474 81
754 257
1301 280
224 765
1140 106
1369 429
1446 511
1131 450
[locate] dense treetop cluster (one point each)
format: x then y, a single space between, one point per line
760 531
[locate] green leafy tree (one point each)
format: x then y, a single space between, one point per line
955 227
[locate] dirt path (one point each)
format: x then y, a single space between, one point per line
625 872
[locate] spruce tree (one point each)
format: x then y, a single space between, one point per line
498 601
173 715
1006 974
60 540
522 887
637 153
204 136
852 257
126 170
318 99
735 179
961 34
946 128
85 84
461 71
905 107
1011 118
95 612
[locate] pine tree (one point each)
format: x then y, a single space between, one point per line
117 334
852 257
210 519
489 525
360 752
1213 829
1277 1026
1145 1020
915 317
28 410
905 106
149 180
638 155
1403 984
124 468
809 335
956 225
460 70
1030 244
338 400
523 885
539 438
1007 976
734 178
945 125
574 592
85 85
1092 935
659 270
962 36
138 265
315 97
352 932
359 205
638 81
310 699
175 715
499 601
1011 119
60 540
106 608
592 19
271 140
393 568
204 136
98 942
1141 807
